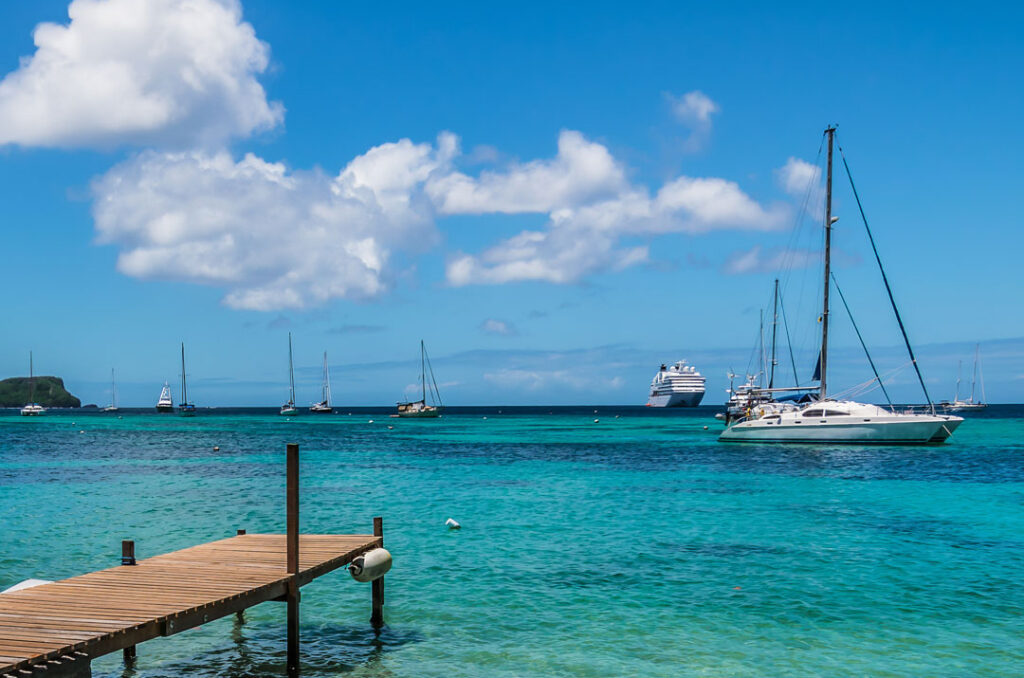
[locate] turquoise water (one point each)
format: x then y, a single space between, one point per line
635 545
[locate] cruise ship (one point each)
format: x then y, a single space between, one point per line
680 385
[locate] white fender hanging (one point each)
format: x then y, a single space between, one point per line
371 565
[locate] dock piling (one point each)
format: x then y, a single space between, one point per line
128 559
377 615
292 548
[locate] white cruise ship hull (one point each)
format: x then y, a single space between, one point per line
895 430
676 399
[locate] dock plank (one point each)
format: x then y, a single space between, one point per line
115 608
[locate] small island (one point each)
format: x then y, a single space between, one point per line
49 392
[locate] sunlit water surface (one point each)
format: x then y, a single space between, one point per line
636 545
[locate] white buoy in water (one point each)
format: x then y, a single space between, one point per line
485 417
371 565
596 420
27 584
216 448
371 421
705 428
453 524
392 428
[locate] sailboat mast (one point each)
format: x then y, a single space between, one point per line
184 390
113 389
423 370
775 324
830 133
959 371
31 380
975 377
327 382
291 373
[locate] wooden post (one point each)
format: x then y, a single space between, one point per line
240 615
292 542
127 552
128 559
377 616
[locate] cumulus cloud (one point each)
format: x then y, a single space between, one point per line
797 176
694 110
499 327
170 73
273 238
580 171
586 233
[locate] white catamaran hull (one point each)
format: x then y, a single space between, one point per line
857 424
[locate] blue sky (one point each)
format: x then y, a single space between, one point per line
556 198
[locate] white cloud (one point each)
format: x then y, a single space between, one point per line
797 176
585 234
580 171
499 327
178 73
755 260
273 238
694 110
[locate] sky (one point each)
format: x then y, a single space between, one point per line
556 198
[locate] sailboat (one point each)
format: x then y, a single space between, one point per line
970 404
185 408
32 408
825 419
289 409
112 407
324 406
420 408
165 403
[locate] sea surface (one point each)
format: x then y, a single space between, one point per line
631 545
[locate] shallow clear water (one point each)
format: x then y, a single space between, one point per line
635 545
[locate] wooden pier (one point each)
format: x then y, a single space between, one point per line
56 629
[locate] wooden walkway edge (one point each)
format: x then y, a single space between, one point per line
78 619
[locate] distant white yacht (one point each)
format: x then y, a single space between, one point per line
165 403
680 385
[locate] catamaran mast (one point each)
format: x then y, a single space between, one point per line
31 380
423 370
291 373
975 377
327 382
184 391
113 389
830 133
775 324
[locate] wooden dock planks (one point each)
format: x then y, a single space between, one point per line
101 612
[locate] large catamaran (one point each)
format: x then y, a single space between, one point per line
827 420
970 404
420 408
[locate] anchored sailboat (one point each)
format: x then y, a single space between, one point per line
420 408
185 408
970 404
324 406
32 408
840 421
289 409
112 407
